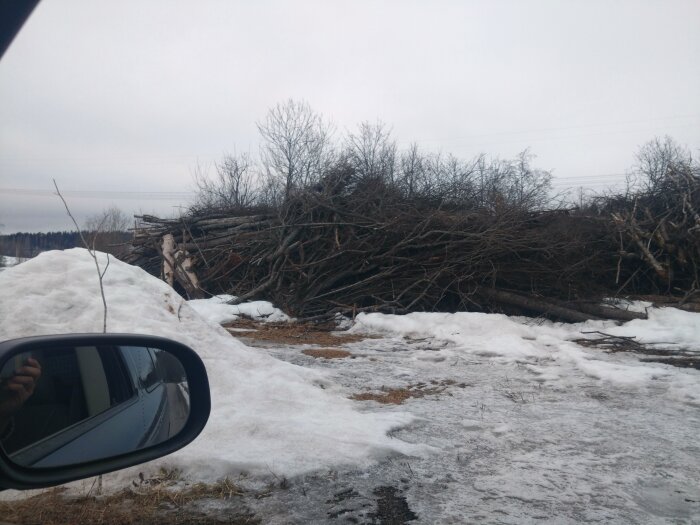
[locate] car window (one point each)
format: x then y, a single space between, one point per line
74 387
168 368
120 385
145 367
57 403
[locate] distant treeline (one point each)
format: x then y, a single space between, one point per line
32 244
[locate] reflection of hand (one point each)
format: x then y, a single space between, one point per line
19 387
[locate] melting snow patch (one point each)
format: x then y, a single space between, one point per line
548 350
217 311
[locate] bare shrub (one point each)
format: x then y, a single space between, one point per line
107 231
235 185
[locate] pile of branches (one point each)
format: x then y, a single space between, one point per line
659 233
349 250
363 227
655 225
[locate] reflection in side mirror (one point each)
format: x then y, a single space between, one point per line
72 405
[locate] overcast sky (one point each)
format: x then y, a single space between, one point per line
119 101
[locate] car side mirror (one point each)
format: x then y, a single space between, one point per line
78 405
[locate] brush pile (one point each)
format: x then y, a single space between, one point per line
325 254
431 234
659 232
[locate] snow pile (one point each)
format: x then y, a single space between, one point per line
547 349
631 305
218 312
267 416
665 326
6 261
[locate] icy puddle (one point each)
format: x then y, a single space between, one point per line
513 440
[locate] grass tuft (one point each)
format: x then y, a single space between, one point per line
326 353
154 501
396 396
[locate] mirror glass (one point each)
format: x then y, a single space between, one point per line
63 406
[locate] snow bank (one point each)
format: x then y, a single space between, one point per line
216 311
547 348
7 261
665 326
267 416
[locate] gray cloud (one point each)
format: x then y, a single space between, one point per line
132 95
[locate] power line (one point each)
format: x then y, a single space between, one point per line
102 194
592 176
122 158
653 121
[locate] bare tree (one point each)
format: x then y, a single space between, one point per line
107 231
232 188
412 171
655 160
454 180
530 188
296 147
372 152
111 219
512 183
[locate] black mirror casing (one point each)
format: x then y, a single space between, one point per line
15 476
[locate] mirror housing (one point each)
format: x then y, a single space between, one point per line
16 476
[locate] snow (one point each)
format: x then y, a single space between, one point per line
667 326
7 261
628 304
547 348
267 416
532 427
216 311
12 261
542 431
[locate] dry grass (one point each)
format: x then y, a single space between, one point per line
326 353
391 396
147 504
396 396
292 333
